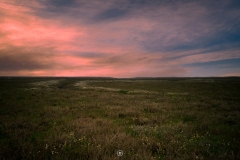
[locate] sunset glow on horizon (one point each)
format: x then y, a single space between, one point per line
112 38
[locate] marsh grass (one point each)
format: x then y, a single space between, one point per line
74 118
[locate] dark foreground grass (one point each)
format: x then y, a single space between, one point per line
56 118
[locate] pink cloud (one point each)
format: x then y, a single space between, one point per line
58 46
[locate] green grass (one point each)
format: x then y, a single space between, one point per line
80 118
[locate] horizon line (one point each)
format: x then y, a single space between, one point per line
117 77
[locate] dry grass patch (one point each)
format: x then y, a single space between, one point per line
81 84
144 91
177 93
45 83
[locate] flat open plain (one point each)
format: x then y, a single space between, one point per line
93 118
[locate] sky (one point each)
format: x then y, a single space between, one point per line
120 38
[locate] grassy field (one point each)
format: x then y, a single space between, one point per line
81 118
